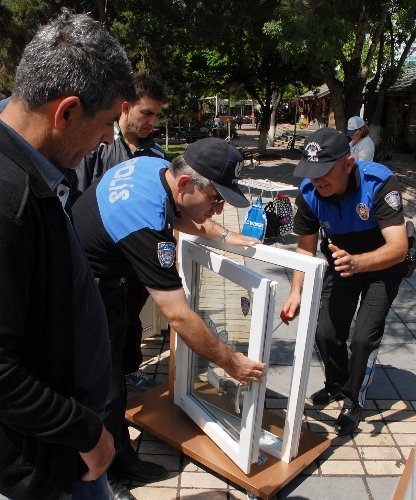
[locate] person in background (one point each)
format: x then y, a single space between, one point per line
358 207
132 138
217 122
126 224
54 348
361 145
132 132
239 121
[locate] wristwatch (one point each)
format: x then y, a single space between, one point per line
224 235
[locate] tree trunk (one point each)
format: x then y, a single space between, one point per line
382 148
102 11
276 97
353 96
264 127
380 152
263 140
378 109
337 97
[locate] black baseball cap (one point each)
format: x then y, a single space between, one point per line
322 149
221 163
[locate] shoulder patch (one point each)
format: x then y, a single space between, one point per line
362 211
166 253
393 199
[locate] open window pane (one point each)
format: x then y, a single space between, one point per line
218 290
227 297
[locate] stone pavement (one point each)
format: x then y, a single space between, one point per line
365 465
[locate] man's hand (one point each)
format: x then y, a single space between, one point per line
290 308
196 334
211 230
238 239
100 457
306 246
389 254
244 369
345 264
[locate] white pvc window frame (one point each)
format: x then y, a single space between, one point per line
243 451
313 269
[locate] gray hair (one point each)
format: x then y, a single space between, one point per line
180 167
74 55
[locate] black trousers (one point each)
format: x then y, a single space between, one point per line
373 293
115 297
136 299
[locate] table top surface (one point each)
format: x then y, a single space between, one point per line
266 185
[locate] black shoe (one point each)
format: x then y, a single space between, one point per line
348 419
142 472
120 492
324 397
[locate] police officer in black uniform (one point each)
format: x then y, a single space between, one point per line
126 223
357 207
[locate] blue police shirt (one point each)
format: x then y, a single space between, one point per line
372 201
125 221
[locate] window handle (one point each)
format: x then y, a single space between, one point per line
241 390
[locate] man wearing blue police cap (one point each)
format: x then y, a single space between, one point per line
357 207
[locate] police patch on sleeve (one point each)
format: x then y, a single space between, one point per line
393 199
166 253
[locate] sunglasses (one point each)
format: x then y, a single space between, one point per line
215 199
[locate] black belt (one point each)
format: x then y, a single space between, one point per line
107 283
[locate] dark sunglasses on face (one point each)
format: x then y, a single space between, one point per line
215 199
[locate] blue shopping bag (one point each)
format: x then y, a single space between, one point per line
255 222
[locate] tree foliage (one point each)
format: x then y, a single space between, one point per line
241 47
246 58
19 20
347 44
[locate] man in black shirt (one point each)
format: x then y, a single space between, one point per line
132 132
54 349
132 138
126 224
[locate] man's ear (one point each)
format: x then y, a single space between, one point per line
125 108
66 110
349 164
184 182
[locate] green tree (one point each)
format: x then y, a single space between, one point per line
244 47
19 21
329 38
340 42
246 56
396 43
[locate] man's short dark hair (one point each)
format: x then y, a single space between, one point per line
74 55
149 86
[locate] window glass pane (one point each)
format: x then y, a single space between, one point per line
226 309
